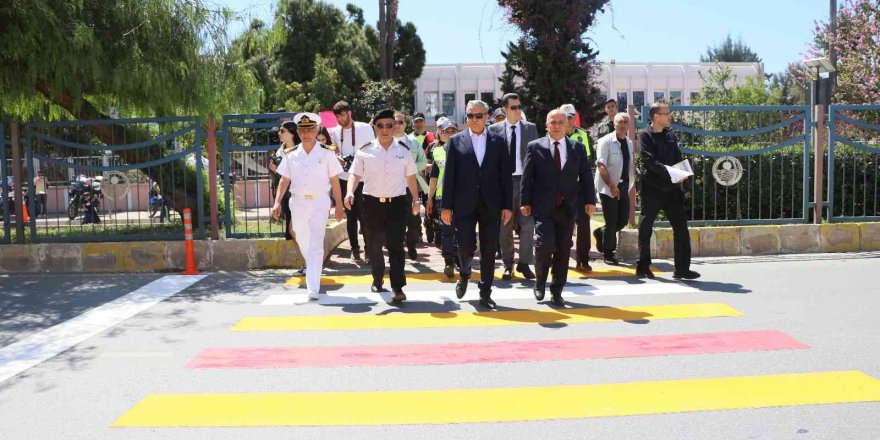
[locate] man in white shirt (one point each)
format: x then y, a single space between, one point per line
414 222
348 136
517 133
310 170
388 172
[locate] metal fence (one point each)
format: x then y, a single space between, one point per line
112 180
854 164
5 238
751 163
248 185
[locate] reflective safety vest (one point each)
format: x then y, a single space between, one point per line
439 153
581 136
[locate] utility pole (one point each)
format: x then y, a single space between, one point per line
387 35
383 62
832 52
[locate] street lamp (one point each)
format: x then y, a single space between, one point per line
820 66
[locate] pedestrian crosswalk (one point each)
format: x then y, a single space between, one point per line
275 314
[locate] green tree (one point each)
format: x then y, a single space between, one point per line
553 60
730 51
377 95
254 48
409 56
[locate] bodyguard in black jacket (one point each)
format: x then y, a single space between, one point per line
556 184
658 149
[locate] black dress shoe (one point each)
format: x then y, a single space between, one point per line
449 269
584 266
487 302
685 275
376 288
525 271
611 260
398 297
508 273
644 272
556 299
539 291
356 255
460 288
412 254
300 272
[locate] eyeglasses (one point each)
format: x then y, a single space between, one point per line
399 122
451 131
384 125
476 116
515 107
283 130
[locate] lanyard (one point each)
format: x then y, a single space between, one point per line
342 136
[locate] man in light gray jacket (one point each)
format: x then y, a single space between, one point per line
615 177
517 133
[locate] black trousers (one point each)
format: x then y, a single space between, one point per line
553 246
582 249
385 225
465 224
616 214
430 224
672 203
413 225
285 213
354 215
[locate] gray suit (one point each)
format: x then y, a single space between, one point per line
526 132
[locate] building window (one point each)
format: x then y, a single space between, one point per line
638 99
432 104
694 96
488 98
659 96
468 97
675 97
621 101
603 97
448 104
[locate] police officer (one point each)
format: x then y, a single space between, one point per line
449 250
582 246
387 169
309 170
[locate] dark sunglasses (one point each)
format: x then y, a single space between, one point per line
384 125
475 115
400 122
283 130
515 107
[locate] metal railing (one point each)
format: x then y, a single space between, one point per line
854 165
132 178
751 163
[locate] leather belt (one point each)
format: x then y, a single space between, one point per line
383 199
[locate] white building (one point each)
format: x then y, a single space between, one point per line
448 87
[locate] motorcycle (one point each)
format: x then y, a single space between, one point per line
85 195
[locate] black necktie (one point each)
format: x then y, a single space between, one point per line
558 162
513 141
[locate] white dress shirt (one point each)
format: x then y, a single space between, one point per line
517 157
350 139
384 172
479 141
309 173
562 150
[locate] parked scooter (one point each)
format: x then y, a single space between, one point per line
85 195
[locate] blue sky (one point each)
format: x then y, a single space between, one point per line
474 31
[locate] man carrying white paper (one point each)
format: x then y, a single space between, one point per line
661 175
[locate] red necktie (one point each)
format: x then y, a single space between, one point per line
558 162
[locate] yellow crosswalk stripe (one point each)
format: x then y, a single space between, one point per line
494 318
432 277
500 404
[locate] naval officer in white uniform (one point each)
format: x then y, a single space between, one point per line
310 170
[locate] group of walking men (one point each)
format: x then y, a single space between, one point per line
484 182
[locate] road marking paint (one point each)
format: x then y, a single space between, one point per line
37 348
445 293
496 352
401 320
499 404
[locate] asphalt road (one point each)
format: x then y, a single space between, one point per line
145 346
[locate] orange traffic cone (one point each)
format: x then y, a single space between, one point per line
190 251
24 213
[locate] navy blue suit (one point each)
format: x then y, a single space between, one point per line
476 194
554 224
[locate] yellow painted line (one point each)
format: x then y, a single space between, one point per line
500 404
433 277
494 318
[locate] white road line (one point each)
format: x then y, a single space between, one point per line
446 295
37 348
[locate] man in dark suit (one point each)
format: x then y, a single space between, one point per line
517 134
477 190
556 184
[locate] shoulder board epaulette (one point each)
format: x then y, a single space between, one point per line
289 149
365 145
329 147
403 144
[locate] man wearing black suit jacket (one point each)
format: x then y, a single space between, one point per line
477 190
556 184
